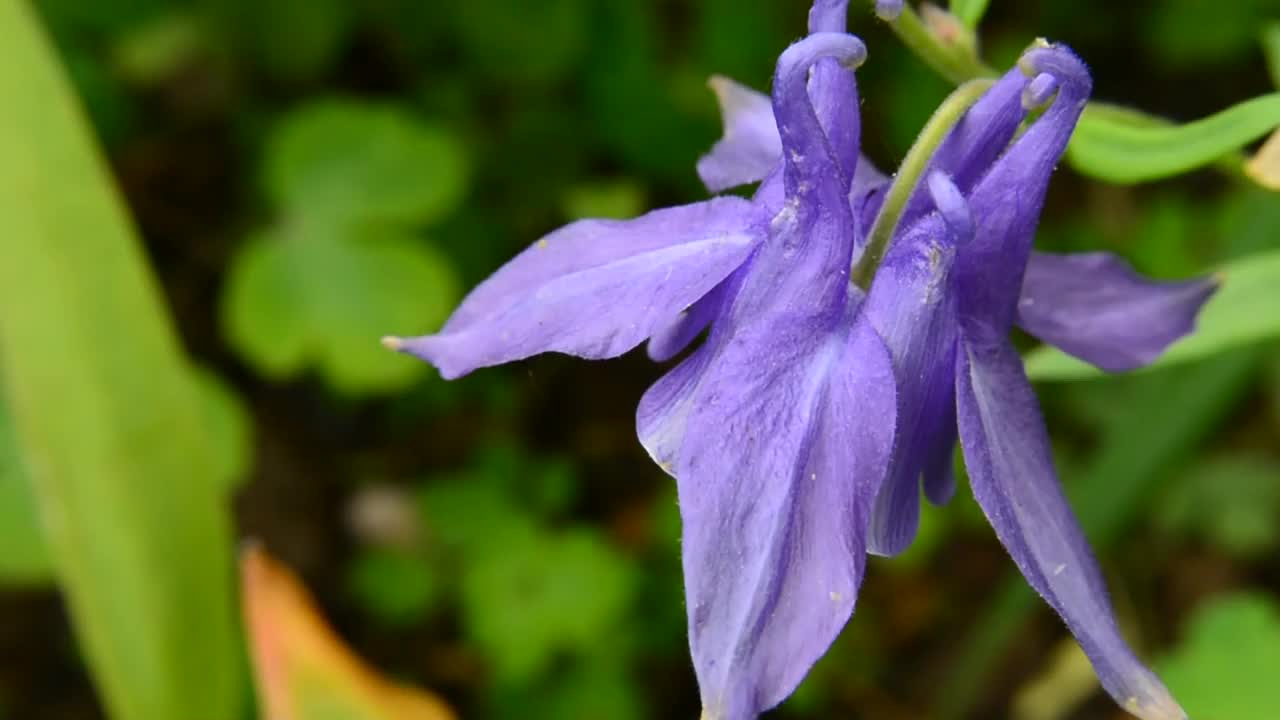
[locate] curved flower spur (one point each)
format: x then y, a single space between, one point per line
780 427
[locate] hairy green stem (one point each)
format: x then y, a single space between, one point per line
909 173
954 57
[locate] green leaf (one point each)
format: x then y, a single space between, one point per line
24 559
105 413
1233 501
969 12
526 603
1125 146
296 300
229 428
1225 666
1231 319
344 161
397 586
470 517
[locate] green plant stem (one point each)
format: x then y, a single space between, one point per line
908 176
957 61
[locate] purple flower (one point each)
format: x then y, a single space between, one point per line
766 424
799 430
953 360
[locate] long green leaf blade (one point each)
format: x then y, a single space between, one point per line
24 560
1124 146
104 412
1237 315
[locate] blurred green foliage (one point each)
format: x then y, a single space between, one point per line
309 176
1225 664
1231 501
351 181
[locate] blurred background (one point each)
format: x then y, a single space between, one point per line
308 175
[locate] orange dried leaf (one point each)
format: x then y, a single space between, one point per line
303 669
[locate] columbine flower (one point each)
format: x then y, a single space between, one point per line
953 353
812 402
765 425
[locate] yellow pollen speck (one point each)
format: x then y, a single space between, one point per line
835 596
542 244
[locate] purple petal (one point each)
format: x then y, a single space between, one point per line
1094 306
938 474
802 267
912 307
752 150
750 147
1039 90
834 93
976 141
676 336
762 429
828 16
776 468
1007 200
1006 449
595 288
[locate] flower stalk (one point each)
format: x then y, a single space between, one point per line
909 175
942 42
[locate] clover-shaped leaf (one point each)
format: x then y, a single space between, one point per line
397 586
545 595
341 161
1226 665
300 299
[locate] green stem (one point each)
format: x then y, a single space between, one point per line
908 176
957 60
